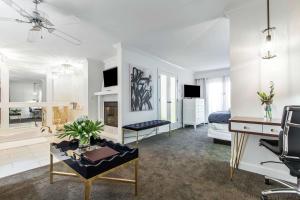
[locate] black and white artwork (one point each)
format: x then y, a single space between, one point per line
141 89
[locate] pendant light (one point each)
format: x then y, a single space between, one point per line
268 50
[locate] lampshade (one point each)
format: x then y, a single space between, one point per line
268 50
34 34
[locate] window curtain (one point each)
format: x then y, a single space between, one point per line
216 94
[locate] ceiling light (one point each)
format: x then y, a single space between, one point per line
268 46
34 34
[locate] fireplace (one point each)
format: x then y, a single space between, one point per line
111 113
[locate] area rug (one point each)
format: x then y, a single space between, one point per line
185 166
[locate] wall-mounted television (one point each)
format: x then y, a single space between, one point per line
191 91
110 77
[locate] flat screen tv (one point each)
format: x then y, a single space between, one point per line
110 77
191 91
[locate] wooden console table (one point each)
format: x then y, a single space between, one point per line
242 127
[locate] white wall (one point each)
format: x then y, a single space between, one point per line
95 68
136 57
250 73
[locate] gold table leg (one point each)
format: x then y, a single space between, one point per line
88 182
51 168
87 189
136 165
237 152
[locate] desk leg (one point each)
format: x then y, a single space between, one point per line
123 136
237 151
51 168
87 189
137 139
136 177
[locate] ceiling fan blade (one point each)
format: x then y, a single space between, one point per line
17 8
46 21
65 36
12 20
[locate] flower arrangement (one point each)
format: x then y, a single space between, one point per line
82 129
267 100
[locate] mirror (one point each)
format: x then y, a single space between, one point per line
27 116
26 86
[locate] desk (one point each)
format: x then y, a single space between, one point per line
242 127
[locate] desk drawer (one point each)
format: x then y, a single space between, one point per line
273 130
240 127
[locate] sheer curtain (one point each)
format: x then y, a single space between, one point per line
218 94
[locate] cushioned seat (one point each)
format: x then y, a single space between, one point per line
293 166
146 125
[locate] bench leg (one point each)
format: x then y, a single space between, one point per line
51 168
137 138
169 129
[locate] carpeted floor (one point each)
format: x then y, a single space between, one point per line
185 166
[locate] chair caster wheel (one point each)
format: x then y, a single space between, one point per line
267 181
264 197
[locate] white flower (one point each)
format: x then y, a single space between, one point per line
82 118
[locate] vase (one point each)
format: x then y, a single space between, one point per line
84 145
268 112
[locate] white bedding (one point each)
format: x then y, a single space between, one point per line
219 131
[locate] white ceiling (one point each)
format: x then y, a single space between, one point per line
190 33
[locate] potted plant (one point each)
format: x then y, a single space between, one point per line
267 100
82 129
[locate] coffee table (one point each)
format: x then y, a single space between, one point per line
69 153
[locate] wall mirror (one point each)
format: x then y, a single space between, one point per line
27 116
26 86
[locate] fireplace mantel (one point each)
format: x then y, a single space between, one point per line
109 92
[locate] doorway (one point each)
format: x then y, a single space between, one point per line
168 98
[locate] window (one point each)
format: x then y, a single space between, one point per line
218 94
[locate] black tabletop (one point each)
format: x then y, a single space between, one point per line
86 168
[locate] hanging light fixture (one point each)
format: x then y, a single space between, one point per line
34 34
268 51
67 69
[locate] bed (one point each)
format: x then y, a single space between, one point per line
218 125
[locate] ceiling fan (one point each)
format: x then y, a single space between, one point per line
39 23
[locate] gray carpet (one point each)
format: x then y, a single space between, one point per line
187 165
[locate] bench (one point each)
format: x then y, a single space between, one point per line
144 126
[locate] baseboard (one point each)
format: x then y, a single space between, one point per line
268 171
